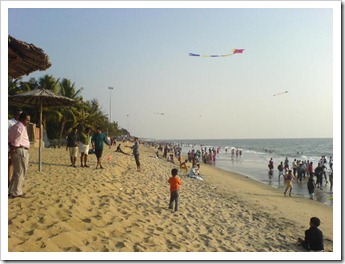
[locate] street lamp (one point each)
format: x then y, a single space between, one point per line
128 123
110 89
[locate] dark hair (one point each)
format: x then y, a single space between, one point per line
18 112
23 115
174 172
99 128
315 221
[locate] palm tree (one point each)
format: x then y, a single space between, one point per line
68 89
91 115
49 82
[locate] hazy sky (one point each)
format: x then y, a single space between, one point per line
143 54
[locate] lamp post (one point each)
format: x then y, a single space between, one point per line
128 123
110 89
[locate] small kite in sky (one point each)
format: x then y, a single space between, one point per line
159 113
234 51
281 93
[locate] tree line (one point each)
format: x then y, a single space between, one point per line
59 121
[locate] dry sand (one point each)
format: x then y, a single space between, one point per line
117 209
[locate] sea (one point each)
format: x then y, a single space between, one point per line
256 154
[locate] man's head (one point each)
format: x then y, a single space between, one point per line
17 114
99 130
24 118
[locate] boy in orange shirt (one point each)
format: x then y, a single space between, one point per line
175 183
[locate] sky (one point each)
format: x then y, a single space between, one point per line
143 54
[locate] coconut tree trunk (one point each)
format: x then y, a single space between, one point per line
61 131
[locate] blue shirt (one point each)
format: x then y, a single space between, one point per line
97 140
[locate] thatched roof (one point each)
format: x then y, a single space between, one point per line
24 58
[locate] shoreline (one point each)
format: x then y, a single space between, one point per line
120 210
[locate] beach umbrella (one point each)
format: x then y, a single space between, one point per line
40 98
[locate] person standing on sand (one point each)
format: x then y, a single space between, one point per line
19 144
84 144
270 168
288 178
72 146
286 164
11 123
175 183
311 187
135 149
294 167
313 237
280 170
97 144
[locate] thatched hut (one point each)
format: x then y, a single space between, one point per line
24 58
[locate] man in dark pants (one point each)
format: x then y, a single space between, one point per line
135 149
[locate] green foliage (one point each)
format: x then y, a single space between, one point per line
59 121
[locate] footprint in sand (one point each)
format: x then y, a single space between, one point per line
30 233
120 245
86 220
72 249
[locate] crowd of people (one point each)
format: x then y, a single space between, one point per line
300 170
19 145
78 142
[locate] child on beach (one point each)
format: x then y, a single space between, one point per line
183 165
288 178
175 183
311 187
313 240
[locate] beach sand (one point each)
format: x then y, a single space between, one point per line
118 209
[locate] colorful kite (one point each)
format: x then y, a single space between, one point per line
281 93
234 51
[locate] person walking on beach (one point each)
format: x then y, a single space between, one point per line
19 144
280 170
331 181
294 167
313 237
72 146
97 141
286 164
288 178
135 149
331 162
84 144
270 168
175 183
318 173
14 120
310 169
311 187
